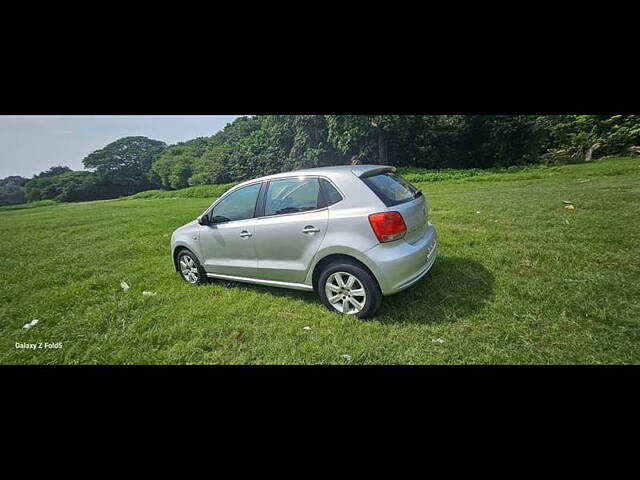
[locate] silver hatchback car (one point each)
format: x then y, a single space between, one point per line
353 234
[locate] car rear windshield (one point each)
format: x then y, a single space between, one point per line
391 188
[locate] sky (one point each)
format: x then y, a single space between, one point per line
31 144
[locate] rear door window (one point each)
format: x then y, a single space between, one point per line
391 188
292 195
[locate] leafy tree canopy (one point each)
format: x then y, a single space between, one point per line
53 171
14 180
131 153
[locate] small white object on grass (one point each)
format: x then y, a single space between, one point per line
31 324
569 207
346 356
306 328
438 340
477 211
148 293
124 285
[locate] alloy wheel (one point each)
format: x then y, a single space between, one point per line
189 269
345 293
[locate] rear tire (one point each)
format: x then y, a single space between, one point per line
349 289
190 269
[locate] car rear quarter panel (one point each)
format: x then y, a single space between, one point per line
348 228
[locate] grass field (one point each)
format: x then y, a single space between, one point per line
520 279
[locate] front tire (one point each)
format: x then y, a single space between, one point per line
347 288
190 269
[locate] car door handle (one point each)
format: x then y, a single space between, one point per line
310 229
245 234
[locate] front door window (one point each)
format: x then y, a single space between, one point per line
240 205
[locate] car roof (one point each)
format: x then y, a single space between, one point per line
330 172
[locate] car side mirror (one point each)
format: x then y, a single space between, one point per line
218 219
204 219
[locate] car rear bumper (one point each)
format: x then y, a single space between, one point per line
398 265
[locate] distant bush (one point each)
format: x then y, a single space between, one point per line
417 175
39 203
200 191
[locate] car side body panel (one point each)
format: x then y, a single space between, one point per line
229 248
286 244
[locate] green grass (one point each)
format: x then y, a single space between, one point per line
523 281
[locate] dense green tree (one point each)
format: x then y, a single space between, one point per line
121 168
52 187
575 136
12 190
211 167
497 140
174 170
269 146
127 161
80 186
14 180
311 146
175 165
250 147
12 194
351 135
367 136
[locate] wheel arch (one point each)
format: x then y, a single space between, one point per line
176 251
333 257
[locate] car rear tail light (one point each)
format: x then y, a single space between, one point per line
387 226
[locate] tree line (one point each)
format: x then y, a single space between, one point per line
265 144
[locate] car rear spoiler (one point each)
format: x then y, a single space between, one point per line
364 171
